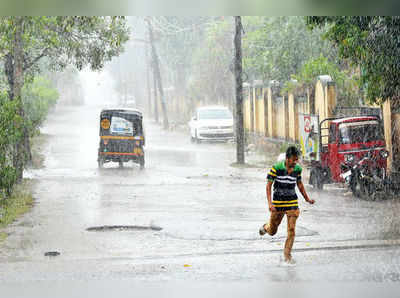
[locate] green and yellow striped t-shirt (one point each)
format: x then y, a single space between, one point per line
284 197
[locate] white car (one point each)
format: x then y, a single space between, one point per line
214 123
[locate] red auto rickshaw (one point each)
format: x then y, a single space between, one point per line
344 141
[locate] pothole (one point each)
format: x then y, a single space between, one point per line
51 253
123 228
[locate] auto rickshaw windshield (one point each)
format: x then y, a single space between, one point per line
360 132
119 123
121 126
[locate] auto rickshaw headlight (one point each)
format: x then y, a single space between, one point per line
349 158
384 154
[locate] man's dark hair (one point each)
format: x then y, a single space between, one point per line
292 151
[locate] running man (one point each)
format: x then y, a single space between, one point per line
285 175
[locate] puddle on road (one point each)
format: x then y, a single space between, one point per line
123 228
218 235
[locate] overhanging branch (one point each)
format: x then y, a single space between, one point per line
29 65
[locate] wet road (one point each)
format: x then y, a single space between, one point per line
190 216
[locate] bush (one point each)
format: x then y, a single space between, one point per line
11 129
37 99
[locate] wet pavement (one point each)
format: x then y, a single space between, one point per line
188 215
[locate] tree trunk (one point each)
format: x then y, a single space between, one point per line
156 118
239 91
395 103
158 76
18 76
9 71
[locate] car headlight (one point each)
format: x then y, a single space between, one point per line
349 158
384 153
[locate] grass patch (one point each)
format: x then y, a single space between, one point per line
3 236
18 203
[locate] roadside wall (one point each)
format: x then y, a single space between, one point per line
268 113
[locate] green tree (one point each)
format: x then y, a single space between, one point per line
372 44
212 64
275 48
347 83
177 39
78 41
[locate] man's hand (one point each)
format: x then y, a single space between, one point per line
272 208
310 201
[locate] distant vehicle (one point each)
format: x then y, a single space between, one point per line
121 137
214 123
130 102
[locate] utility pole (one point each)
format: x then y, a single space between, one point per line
239 91
158 75
156 118
148 79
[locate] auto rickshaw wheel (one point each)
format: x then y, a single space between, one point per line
100 162
141 162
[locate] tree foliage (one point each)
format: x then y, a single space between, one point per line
372 43
177 38
212 64
26 41
68 40
347 83
10 134
275 48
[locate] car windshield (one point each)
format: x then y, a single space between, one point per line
215 114
360 132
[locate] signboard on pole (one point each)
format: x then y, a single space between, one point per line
309 136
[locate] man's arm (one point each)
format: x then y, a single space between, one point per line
303 192
269 188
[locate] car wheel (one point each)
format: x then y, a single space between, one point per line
198 141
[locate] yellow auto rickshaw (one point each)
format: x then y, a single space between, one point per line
121 137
